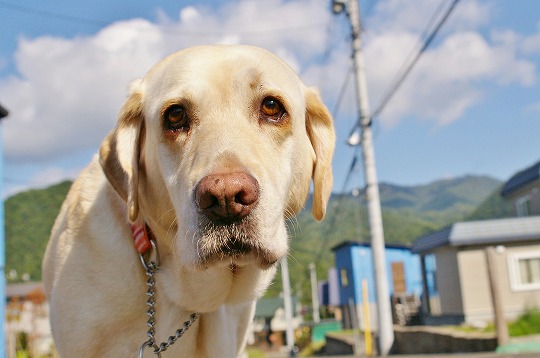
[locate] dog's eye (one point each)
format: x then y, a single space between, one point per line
176 119
272 109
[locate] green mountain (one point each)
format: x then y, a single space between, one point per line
442 201
29 219
493 207
408 212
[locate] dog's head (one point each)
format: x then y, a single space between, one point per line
215 148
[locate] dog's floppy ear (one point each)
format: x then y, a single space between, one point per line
120 151
321 133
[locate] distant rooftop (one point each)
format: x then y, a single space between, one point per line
22 289
367 244
521 179
484 232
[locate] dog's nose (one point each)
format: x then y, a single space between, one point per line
227 197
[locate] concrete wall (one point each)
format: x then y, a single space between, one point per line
416 340
426 340
475 285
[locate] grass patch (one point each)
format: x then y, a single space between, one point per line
526 324
489 328
311 349
255 353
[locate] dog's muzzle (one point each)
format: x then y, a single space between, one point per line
227 198
228 232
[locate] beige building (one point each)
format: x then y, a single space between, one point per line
455 273
454 264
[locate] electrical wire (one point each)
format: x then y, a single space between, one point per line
342 91
428 38
403 75
52 15
200 33
326 55
370 7
332 225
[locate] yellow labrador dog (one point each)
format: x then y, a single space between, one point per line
214 148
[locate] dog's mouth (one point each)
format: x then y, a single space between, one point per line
234 245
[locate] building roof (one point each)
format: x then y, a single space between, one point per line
521 179
349 243
486 232
266 307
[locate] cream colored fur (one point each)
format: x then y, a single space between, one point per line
92 274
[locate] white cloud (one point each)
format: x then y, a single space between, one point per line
189 14
531 44
42 178
535 107
413 16
68 91
54 175
452 74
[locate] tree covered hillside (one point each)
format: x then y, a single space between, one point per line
408 212
29 219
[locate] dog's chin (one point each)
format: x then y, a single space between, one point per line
233 246
236 262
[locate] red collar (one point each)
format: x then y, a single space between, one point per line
141 234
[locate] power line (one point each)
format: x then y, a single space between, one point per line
370 7
326 55
428 38
401 78
95 22
342 91
52 15
336 214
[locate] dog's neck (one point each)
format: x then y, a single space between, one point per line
144 240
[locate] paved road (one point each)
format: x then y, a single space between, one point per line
453 355
527 342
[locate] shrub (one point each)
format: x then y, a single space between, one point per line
528 323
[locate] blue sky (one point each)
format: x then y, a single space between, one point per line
470 106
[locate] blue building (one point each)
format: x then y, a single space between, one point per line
354 263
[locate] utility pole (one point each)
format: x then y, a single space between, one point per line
287 302
496 299
384 311
314 293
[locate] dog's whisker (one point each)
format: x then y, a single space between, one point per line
293 259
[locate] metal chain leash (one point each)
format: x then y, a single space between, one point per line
151 269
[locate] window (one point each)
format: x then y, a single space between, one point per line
523 206
525 271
